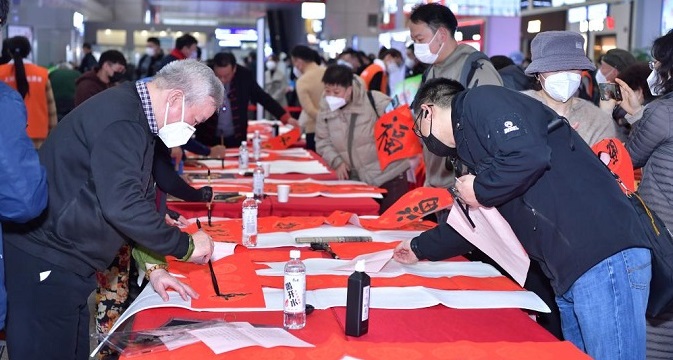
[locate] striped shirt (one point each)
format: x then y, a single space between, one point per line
141 88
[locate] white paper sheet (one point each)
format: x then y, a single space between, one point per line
222 339
374 262
492 235
391 269
277 167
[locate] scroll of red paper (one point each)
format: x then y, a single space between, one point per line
283 141
413 206
617 158
394 136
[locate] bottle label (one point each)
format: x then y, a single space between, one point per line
258 183
256 146
249 221
294 292
365 303
243 159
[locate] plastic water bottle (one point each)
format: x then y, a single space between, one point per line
256 146
243 156
258 182
294 293
249 218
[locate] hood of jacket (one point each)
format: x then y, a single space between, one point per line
90 76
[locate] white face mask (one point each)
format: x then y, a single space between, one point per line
271 65
561 86
150 51
653 83
177 133
424 54
344 63
600 78
392 67
335 102
410 63
296 72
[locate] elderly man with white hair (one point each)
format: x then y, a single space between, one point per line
101 195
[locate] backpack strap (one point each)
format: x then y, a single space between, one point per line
371 101
470 67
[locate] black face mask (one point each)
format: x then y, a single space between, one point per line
117 77
437 147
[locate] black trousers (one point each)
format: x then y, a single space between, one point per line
310 141
396 187
47 312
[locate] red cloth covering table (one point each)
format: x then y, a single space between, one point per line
432 333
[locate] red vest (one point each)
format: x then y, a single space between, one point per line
36 98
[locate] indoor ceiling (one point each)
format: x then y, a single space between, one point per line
220 11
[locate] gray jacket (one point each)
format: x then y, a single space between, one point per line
651 147
436 174
331 136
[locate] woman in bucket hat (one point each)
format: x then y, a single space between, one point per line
558 60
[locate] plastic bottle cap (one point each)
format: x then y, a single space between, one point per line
249 195
360 265
295 254
244 143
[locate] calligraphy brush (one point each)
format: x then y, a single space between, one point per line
210 266
209 204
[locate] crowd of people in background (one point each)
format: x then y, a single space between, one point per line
340 100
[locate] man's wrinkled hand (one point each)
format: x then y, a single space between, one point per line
161 281
403 253
217 151
203 247
465 186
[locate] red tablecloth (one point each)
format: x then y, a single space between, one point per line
323 206
219 209
317 206
460 334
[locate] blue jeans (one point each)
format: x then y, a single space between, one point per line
603 312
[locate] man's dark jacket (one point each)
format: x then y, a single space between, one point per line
101 191
243 90
561 201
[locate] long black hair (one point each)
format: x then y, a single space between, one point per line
19 48
662 51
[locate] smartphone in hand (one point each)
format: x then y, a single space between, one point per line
610 91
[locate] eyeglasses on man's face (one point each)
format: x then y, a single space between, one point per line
417 122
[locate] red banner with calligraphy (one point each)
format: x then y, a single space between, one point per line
416 204
615 156
283 141
394 136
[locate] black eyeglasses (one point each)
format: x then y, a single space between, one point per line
417 123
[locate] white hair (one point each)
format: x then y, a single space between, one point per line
196 80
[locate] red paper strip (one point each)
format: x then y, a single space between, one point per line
235 275
283 141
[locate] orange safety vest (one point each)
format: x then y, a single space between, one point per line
36 98
368 74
